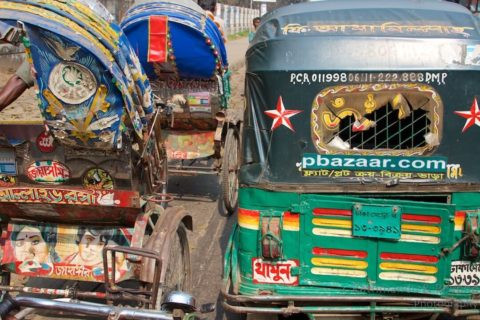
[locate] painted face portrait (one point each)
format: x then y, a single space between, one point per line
90 248
30 246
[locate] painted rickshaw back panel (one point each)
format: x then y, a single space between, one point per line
72 178
359 172
184 55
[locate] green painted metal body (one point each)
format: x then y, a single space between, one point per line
299 245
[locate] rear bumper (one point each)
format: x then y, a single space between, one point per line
342 304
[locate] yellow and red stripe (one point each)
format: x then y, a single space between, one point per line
249 219
332 212
460 220
339 262
291 221
335 223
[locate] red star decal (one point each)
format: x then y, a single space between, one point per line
281 116
472 116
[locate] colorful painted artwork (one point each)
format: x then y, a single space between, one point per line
71 82
48 172
334 106
87 75
97 179
64 252
7 181
187 145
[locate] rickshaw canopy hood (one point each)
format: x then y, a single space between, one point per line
355 82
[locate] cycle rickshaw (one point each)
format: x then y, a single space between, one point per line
183 53
81 185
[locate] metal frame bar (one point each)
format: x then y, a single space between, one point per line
92 309
415 304
110 285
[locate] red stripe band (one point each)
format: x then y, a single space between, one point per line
340 252
331 212
250 213
408 257
421 218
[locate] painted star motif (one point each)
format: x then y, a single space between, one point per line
472 116
281 116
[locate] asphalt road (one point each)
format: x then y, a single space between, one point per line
202 197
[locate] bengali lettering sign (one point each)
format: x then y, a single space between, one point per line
464 274
384 28
270 272
48 172
60 196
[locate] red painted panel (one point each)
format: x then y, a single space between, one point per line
157 39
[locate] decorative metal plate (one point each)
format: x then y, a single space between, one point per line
72 83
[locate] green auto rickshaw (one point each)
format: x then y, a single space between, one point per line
360 182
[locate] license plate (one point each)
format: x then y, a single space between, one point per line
464 274
8 164
376 221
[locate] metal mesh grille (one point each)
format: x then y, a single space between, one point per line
389 132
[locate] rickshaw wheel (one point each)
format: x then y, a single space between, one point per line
177 276
230 167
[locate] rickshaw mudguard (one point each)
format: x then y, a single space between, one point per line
160 241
